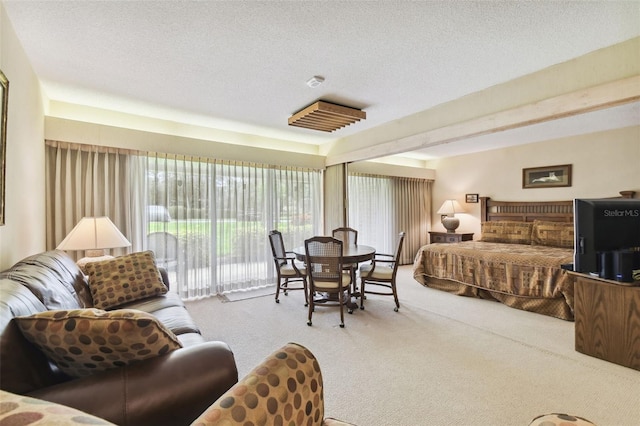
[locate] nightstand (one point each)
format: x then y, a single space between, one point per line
448 237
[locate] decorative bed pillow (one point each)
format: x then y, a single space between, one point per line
82 342
504 231
124 279
553 234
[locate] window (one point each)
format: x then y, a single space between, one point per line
380 207
207 220
219 215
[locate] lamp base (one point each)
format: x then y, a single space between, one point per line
450 223
82 263
95 252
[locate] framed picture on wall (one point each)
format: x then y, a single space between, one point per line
547 177
471 198
4 103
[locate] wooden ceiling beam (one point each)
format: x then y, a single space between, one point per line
594 98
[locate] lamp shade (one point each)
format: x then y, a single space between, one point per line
450 207
94 233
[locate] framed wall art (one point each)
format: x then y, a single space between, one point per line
4 103
471 198
547 177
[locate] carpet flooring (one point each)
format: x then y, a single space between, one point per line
441 360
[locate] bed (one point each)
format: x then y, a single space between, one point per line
517 260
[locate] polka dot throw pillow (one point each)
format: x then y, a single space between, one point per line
23 410
124 279
82 342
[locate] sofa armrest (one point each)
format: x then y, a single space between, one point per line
170 389
286 388
165 277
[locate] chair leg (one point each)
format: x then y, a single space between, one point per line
362 280
395 296
278 291
311 307
306 293
341 302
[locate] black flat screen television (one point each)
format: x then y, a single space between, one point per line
604 227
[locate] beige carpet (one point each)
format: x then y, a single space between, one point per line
441 360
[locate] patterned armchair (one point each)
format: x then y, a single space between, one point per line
286 388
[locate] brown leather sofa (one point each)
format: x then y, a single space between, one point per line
170 389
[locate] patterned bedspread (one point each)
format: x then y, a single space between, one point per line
522 271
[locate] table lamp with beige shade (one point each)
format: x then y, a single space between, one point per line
94 235
448 211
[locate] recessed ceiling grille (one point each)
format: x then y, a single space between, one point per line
326 117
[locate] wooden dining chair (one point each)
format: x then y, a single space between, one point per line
382 272
288 269
323 257
348 236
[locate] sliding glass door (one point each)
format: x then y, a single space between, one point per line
215 216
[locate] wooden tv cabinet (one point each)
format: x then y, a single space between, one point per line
607 320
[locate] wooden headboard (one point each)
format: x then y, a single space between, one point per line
528 211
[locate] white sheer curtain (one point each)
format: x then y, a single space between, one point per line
334 188
294 205
84 180
382 206
221 213
371 211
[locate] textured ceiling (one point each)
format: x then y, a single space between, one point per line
243 65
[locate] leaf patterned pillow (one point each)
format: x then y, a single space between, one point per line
82 342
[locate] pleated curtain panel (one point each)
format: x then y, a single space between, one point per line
84 180
380 207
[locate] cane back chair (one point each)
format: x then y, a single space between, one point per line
348 236
323 257
382 272
288 269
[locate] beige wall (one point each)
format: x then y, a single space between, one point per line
66 130
603 164
24 231
191 127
